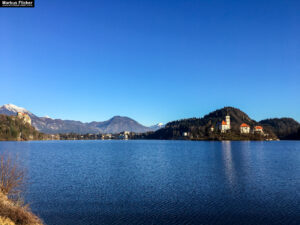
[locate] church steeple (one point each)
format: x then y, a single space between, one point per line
228 121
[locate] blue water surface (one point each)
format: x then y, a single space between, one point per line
161 182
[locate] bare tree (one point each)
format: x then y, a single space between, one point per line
12 176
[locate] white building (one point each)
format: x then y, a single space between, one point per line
258 129
225 125
124 135
244 128
185 134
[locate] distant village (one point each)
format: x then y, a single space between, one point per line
125 135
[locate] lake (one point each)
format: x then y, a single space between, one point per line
161 182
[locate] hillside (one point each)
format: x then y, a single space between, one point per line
284 128
13 128
199 128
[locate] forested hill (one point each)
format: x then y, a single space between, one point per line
284 128
199 128
15 129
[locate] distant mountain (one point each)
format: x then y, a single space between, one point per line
284 128
53 126
118 124
199 128
157 126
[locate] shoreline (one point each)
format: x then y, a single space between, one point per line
148 140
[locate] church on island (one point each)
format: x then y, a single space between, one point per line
225 126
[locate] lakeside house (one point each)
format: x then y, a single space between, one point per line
244 128
258 129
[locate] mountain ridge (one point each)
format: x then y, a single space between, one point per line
197 128
53 126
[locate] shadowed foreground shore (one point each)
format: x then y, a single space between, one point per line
12 213
12 180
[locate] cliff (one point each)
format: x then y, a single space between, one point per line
13 128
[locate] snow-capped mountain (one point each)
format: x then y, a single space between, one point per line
53 126
157 126
11 109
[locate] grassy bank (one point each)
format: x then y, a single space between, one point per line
12 213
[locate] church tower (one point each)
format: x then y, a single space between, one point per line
228 121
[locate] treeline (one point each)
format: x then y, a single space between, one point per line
284 128
198 133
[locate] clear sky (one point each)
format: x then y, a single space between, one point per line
154 61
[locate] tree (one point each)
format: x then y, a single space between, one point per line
12 176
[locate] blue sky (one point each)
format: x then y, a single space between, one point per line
154 61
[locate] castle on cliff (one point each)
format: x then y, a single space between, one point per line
25 117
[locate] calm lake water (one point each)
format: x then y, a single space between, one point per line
161 182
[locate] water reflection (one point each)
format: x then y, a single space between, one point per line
162 182
230 172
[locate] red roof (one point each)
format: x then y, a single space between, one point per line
244 125
224 123
258 128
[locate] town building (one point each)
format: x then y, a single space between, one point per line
185 134
124 135
244 128
212 129
106 136
25 117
